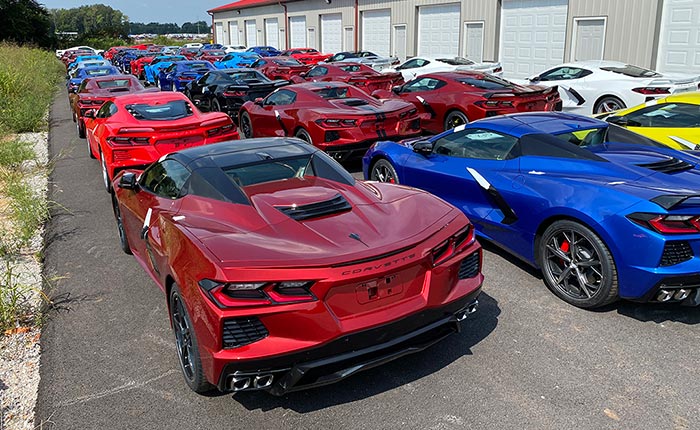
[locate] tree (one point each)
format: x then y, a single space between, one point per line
26 21
92 21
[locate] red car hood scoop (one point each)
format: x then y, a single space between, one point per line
331 206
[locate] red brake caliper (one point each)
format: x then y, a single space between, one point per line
565 248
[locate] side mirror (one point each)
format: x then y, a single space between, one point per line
423 147
302 74
258 101
396 89
128 181
90 113
534 79
621 120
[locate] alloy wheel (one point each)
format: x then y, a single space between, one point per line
183 337
573 263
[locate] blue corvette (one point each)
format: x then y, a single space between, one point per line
265 51
235 60
176 76
152 70
603 212
89 72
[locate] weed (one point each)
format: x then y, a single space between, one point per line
14 152
16 307
28 210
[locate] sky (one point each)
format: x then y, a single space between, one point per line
177 11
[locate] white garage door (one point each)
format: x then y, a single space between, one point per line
219 26
679 44
233 32
297 32
331 30
438 30
272 32
532 36
376 31
251 37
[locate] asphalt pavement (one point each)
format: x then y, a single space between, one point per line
524 360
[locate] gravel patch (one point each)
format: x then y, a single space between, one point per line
19 350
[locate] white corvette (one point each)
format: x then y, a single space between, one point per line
599 86
417 66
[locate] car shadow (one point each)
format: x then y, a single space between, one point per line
495 249
390 376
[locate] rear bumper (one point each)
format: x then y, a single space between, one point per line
349 354
355 142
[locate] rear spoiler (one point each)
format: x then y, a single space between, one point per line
670 201
523 93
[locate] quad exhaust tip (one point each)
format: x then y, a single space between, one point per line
470 309
680 294
240 383
251 382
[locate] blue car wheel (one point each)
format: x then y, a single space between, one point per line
577 265
383 171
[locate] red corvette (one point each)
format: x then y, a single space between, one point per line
306 55
188 53
137 65
282 272
93 92
210 55
108 54
449 99
136 129
357 74
336 117
279 67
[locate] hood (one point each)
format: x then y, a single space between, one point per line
265 233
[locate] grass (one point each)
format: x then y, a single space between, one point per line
28 80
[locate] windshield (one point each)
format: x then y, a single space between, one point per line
175 109
612 133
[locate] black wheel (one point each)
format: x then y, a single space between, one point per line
105 174
186 344
608 104
215 106
304 135
246 125
577 266
80 126
383 171
123 240
454 119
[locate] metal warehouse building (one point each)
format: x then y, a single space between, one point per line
525 35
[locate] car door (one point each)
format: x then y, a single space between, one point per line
143 210
272 118
473 169
96 129
410 69
571 81
423 92
675 124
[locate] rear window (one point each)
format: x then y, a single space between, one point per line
456 61
242 76
175 109
269 171
486 82
98 72
117 83
195 66
351 68
633 71
333 93
287 62
214 53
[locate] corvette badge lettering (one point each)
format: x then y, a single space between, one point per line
379 266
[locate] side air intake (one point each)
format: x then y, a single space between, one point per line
316 210
671 165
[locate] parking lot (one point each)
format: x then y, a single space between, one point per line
524 360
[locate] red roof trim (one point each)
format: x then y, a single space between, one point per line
245 3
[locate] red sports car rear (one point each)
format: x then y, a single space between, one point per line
356 74
283 272
336 117
280 67
137 129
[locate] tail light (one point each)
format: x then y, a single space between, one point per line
131 141
668 224
408 113
652 90
455 244
336 123
91 102
219 130
234 93
237 294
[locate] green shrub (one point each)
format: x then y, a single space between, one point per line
14 152
28 78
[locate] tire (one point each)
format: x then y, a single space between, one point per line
186 344
577 265
75 117
80 126
304 135
89 150
215 105
383 171
105 175
608 104
123 240
454 119
246 125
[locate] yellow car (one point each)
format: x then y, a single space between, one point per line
673 121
